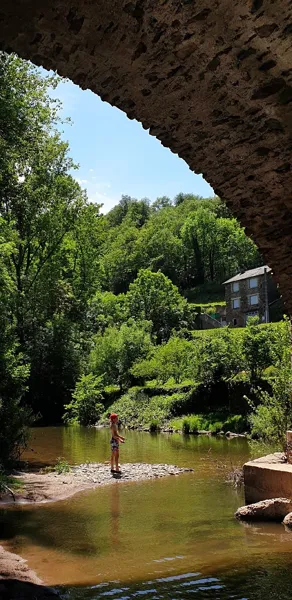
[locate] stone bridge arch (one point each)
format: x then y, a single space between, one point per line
211 79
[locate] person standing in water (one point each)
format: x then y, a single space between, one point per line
115 443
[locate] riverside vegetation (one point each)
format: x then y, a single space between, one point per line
98 311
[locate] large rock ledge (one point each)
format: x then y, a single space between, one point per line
49 487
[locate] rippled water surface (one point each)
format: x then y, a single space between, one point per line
171 538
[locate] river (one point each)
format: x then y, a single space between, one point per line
171 538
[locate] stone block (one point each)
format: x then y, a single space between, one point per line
267 477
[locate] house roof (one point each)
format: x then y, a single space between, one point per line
251 273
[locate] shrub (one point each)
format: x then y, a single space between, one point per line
62 466
257 347
15 421
86 406
220 357
117 349
235 423
185 425
154 426
210 422
215 427
192 423
136 408
273 416
175 359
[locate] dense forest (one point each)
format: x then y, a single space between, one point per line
93 304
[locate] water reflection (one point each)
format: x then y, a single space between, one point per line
115 514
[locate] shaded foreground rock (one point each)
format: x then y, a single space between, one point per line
18 582
49 487
269 510
288 520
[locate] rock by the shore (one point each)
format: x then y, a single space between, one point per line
19 582
288 520
49 487
268 510
230 434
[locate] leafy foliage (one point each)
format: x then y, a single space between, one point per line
62 466
154 298
116 350
272 417
174 359
86 406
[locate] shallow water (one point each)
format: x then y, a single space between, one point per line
169 538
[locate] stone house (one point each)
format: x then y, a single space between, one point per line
250 294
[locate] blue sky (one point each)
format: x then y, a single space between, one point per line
117 156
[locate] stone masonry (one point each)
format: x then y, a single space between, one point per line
211 79
237 317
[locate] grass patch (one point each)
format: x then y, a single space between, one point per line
213 422
62 466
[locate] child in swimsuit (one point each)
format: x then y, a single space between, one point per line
115 441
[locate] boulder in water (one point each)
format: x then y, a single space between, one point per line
274 509
288 520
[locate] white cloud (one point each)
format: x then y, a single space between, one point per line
98 191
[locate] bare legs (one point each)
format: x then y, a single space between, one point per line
115 460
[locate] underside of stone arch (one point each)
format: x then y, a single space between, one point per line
211 79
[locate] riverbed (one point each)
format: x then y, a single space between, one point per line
170 538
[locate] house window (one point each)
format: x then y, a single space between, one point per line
236 303
253 282
253 300
235 286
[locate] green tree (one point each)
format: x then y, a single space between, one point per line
86 406
106 309
257 347
272 417
120 261
153 297
220 357
174 359
116 350
53 232
215 247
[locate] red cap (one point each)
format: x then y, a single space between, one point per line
113 416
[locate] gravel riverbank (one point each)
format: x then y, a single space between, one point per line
49 487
